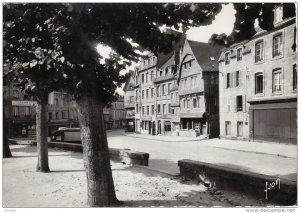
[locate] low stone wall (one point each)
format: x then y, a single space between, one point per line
276 189
125 156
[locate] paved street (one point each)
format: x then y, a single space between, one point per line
278 160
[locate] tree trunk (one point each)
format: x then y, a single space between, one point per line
101 191
6 150
41 136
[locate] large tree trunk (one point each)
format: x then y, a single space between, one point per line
101 191
41 136
6 150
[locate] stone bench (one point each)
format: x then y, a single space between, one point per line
225 177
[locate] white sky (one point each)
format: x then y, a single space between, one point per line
223 23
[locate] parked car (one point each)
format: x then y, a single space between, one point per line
67 135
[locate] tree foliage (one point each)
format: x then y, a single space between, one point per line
245 17
52 46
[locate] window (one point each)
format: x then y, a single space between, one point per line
136 94
56 102
185 83
50 115
228 100
229 80
176 95
167 70
147 110
143 110
143 78
152 75
227 128
278 13
169 88
163 89
277 45
158 91
237 78
137 108
227 61
239 129
147 93
63 115
239 103
194 103
295 83
192 82
169 108
277 80
164 109
172 96
259 83
239 54
152 109
143 94
56 115
152 92
184 106
158 108
195 81
16 110
173 111
131 99
259 51
147 77
188 103
27 110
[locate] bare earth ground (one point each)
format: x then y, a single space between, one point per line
65 186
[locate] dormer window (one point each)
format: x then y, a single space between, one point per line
239 54
227 61
278 13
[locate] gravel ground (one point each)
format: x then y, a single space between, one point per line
136 186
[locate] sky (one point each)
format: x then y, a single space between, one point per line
223 23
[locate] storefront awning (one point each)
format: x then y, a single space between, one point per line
191 115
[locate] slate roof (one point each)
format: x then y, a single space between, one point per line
203 53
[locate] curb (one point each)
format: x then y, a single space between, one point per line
272 188
156 139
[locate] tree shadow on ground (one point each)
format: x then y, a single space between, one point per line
61 171
195 198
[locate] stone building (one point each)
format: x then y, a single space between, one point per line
144 93
198 84
258 85
129 103
61 111
118 113
20 113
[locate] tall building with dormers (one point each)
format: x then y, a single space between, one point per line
196 104
258 85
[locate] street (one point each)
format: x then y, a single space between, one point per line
164 155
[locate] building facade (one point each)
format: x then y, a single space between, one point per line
145 95
258 85
129 103
61 111
118 113
198 85
177 93
19 112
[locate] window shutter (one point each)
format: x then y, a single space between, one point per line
244 103
233 75
225 80
240 78
234 103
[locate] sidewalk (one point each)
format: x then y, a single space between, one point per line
278 149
